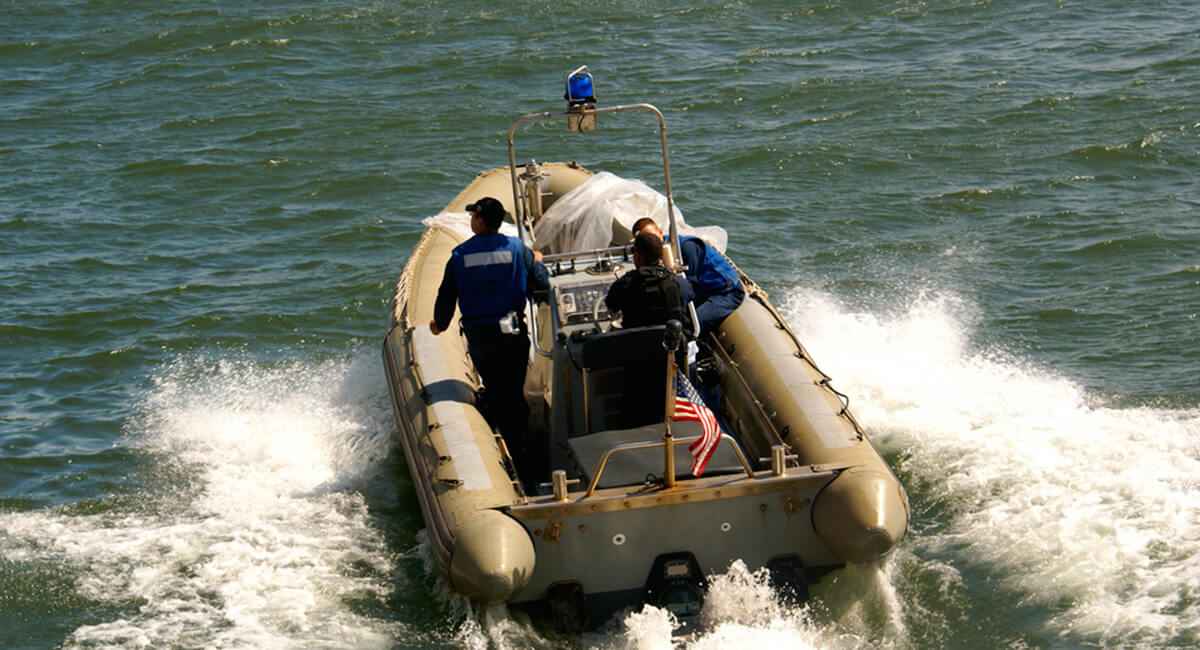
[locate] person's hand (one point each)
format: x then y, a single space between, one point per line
537 256
434 328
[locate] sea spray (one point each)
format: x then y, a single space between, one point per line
741 610
260 539
1082 509
649 628
864 599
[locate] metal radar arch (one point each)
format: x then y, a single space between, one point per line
581 114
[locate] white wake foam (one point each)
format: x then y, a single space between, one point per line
263 543
1085 509
741 610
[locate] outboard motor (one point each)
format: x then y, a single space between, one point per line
677 584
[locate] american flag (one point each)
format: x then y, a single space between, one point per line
690 408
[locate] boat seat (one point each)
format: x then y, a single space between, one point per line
625 378
632 467
617 347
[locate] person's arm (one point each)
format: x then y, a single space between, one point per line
685 291
616 296
535 271
447 299
692 252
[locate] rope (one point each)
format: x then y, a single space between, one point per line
753 290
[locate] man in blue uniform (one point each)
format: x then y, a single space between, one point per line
718 289
490 276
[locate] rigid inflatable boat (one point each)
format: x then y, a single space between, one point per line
794 484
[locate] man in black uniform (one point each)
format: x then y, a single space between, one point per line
650 294
490 276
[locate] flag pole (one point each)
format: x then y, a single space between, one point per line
668 439
671 341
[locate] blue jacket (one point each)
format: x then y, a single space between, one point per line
488 276
707 269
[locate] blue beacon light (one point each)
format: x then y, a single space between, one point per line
579 87
581 101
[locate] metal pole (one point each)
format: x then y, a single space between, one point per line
672 235
559 479
668 439
518 198
778 460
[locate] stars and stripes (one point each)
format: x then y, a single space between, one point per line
689 407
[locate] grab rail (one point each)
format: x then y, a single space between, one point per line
633 446
518 198
533 331
590 255
737 373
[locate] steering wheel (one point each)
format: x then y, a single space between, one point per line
615 322
596 313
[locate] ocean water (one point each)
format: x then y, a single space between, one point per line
980 217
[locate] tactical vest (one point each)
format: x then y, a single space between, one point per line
653 299
715 275
491 277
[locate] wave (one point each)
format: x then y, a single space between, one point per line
255 531
257 534
163 167
22 47
1142 149
1126 245
980 193
1069 504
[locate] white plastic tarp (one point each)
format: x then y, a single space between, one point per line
460 224
600 212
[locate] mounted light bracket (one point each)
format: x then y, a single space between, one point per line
581 101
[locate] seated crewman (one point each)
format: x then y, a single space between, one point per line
718 289
650 294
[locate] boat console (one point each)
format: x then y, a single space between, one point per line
579 283
607 384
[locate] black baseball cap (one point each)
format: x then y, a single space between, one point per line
489 208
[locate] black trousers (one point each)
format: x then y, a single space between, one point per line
502 361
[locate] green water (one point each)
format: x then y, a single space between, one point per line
980 217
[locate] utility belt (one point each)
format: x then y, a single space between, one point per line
511 324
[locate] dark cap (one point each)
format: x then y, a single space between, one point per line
490 209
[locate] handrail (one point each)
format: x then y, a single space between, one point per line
803 354
533 331
518 201
518 205
758 405
596 253
634 446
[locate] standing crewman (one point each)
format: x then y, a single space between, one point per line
718 289
491 276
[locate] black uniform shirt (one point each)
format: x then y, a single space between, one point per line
640 298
